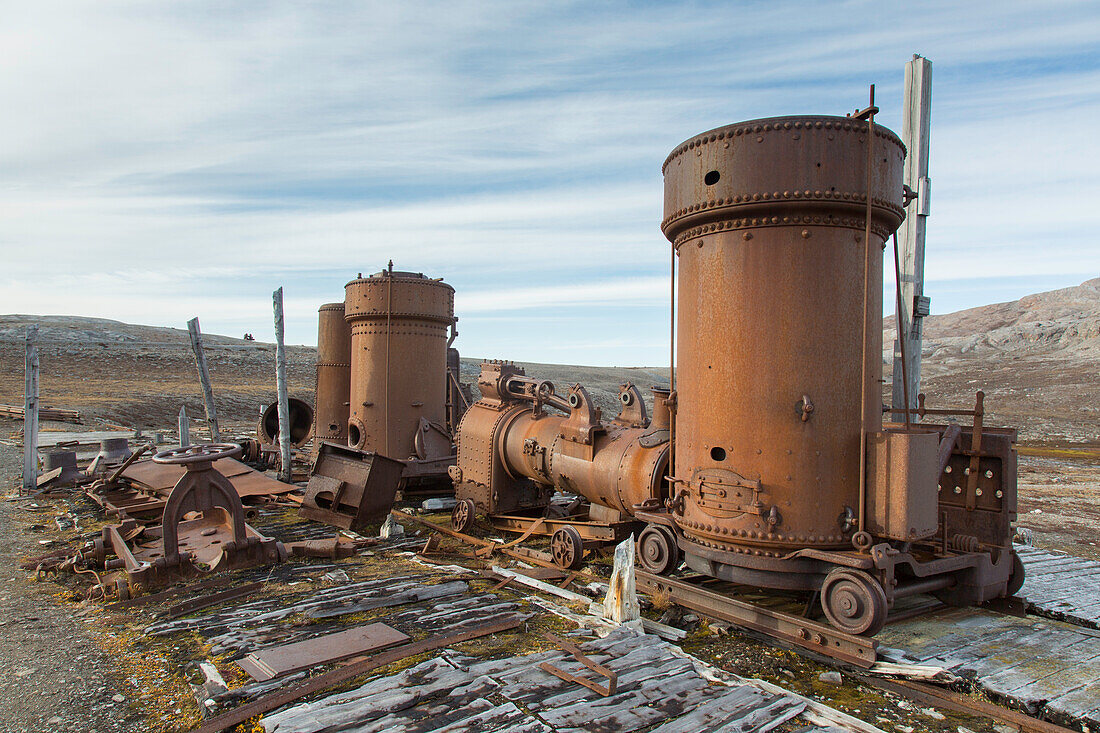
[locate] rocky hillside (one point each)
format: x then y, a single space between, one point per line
1037 359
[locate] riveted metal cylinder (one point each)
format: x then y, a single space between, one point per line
773 375
399 330
333 375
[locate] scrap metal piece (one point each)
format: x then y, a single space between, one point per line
160 478
202 528
336 676
273 661
612 678
301 422
350 488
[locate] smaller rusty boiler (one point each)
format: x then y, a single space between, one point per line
301 422
401 326
784 475
522 441
330 418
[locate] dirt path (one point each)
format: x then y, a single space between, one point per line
54 676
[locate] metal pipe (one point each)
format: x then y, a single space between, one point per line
898 322
866 277
947 445
924 585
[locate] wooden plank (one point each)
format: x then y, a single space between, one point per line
274 661
184 427
30 412
280 388
195 334
915 132
342 674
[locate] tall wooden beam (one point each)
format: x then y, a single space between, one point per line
204 378
30 412
915 128
280 385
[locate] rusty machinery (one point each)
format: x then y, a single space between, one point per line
333 375
402 325
783 474
301 423
202 529
513 453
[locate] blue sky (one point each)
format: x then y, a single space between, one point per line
167 160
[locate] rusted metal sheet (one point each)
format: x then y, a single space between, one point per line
332 396
161 478
274 661
903 473
350 488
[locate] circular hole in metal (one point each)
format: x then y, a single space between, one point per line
711 178
353 435
718 453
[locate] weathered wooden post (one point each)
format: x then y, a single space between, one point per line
280 385
204 378
30 412
185 427
915 128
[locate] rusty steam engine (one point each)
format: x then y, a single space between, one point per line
769 464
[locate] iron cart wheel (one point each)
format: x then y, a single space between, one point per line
462 516
657 550
1016 577
854 602
203 453
567 548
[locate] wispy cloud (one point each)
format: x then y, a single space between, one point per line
174 159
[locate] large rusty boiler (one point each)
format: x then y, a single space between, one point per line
521 441
333 375
779 382
401 326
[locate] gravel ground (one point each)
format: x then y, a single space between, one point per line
55 677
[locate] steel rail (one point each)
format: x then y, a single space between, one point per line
856 650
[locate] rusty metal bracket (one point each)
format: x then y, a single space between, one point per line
633 414
857 650
583 422
612 678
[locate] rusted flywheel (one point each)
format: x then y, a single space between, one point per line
567 548
854 602
462 516
657 550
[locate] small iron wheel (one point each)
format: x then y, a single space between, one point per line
854 602
657 550
462 516
1016 577
567 547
